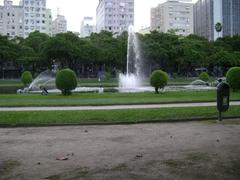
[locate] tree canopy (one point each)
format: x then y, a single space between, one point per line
105 51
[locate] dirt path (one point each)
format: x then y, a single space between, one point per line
192 150
145 106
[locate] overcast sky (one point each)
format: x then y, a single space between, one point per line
75 10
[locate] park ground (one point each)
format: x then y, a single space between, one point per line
183 150
187 150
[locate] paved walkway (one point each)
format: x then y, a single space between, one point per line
114 107
188 150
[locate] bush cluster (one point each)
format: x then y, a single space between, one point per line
26 78
233 78
159 79
66 81
204 76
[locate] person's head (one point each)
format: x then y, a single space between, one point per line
220 80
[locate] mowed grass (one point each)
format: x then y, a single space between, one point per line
96 99
112 116
14 82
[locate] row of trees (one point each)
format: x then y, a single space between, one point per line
105 52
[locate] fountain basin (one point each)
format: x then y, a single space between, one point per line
134 89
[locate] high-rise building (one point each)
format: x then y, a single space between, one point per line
207 13
11 20
87 27
34 16
27 17
49 22
59 25
174 15
115 15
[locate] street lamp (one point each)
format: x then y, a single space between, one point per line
3 69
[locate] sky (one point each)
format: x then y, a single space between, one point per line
75 10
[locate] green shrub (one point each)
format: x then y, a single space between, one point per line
233 78
26 78
204 76
159 79
66 81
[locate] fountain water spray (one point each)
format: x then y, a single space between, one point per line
131 81
46 78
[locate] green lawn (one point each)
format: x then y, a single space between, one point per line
108 98
112 116
15 82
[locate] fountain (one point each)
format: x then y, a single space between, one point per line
46 78
131 80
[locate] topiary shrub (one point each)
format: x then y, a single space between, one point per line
204 76
26 78
233 78
66 81
159 79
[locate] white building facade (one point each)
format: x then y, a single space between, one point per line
59 25
11 20
29 16
87 27
34 16
49 22
173 15
115 15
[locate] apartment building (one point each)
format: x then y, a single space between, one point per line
11 20
115 15
87 27
174 15
49 22
29 16
59 25
34 16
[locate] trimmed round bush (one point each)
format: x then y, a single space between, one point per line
66 81
26 78
233 78
204 76
159 80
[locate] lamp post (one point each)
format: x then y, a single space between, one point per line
3 69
